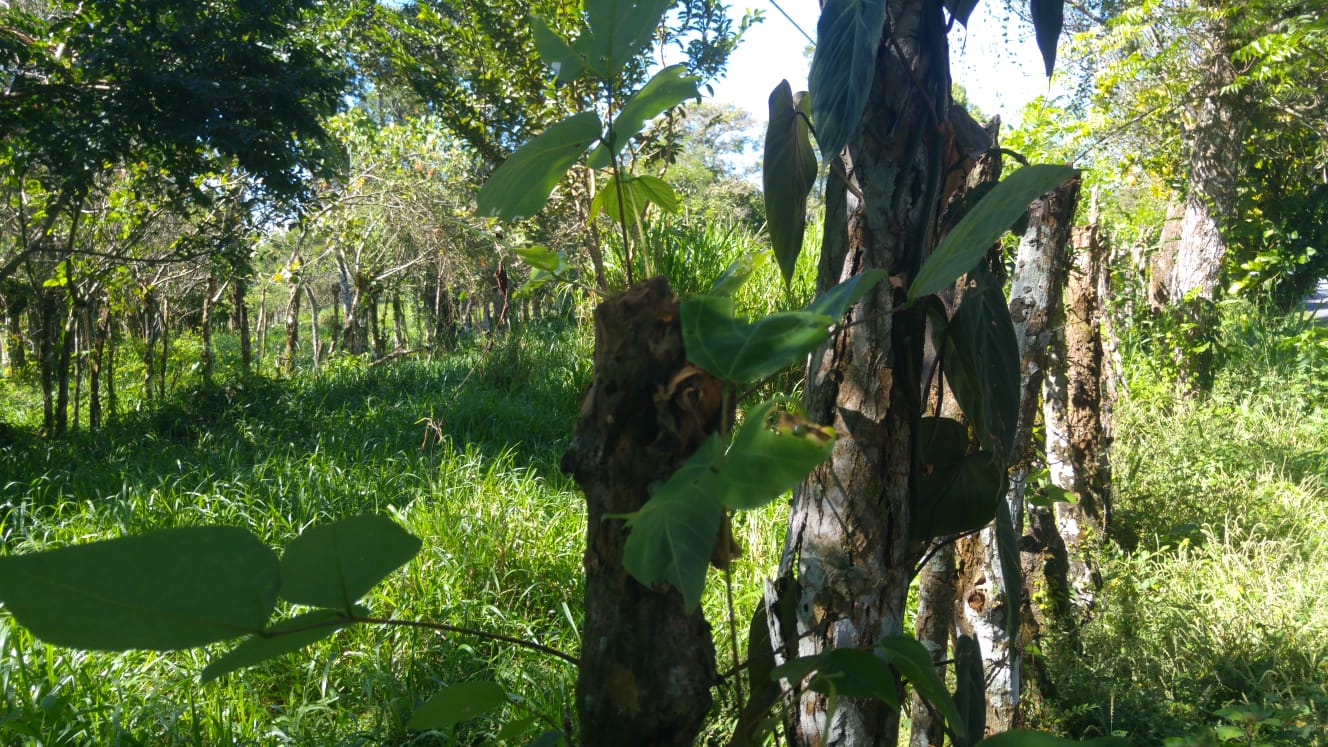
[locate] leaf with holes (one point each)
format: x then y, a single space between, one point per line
333 565
981 226
522 184
788 174
847 35
739 351
772 452
168 589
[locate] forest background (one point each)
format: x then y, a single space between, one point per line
244 283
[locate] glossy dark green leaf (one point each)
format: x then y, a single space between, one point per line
619 30
958 496
738 273
834 302
1048 19
667 89
1026 738
843 66
555 51
851 672
912 661
335 564
739 351
1007 551
457 703
961 9
168 589
982 364
772 452
970 690
673 533
522 184
754 722
788 173
991 217
286 637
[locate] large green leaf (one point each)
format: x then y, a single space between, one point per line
739 351
958 496
992 216
834 302
754 722
637 193
674 532
286 637
452 705
911 660
168 589
1026 738
788 173
555 51
619 30
772 452
847 35
851 672
670 87
1048 19
738 273
522 184
970 689
335 564
982 365
1007 551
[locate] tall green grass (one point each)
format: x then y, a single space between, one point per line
1209 626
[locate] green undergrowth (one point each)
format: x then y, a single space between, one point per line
461 451
1210 626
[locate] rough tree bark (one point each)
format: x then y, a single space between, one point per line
848 558
647 664
1039 276
1214 140
292 327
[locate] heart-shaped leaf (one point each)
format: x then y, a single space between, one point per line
674 532
522 184
168 589
982 365
843 66
739 351
333 565
788 174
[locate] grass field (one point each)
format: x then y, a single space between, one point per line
1208 620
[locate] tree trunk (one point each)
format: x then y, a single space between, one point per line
400 341
100 331
848 557
1039 276
205 330
313 323
240 318
1214 139
647 664
292 328
47 308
